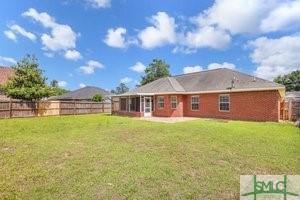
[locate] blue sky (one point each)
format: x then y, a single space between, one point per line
104 42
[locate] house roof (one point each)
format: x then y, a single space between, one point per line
85 93
206 81
5 73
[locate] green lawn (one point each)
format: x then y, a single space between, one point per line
110 157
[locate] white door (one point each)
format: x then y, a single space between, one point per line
147 107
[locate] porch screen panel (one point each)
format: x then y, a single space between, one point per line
132 104
123 104
137 104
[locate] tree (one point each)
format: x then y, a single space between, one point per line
28 82
290 81
157 69
56 90
97 98
54 83
122 88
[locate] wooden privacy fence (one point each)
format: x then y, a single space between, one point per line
290 110
10 109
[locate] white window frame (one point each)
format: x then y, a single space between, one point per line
175 102
227 95
158 102
197 96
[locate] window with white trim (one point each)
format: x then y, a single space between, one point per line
173 102
195 103
224 102
160 102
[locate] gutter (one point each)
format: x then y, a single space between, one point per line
280 89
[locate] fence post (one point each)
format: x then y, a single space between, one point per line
10 108
74 109
37 108
102 107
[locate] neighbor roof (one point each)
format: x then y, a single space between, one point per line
5 73
206 81
85 93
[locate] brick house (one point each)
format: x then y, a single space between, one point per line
219 93
5 73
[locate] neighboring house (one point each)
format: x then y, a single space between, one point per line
220 93
5 73
83 94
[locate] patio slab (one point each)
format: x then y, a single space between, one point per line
170 120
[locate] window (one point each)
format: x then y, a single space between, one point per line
195 102
224 102
160 102
173 102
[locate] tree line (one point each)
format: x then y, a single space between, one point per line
29 83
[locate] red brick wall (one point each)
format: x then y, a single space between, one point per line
253 106
167 111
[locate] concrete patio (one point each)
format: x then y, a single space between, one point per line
170 120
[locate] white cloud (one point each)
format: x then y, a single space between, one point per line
99 3
62 36
162 32
285 16
62 83
275 57
251 16
138 67
91 66
237 16
7 60
16 29
10 35
222 65
192 69
115 37
126 80
72 55
44 18
207 36
82 85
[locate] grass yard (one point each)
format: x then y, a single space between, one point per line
110 157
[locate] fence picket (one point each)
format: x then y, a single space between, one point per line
13 108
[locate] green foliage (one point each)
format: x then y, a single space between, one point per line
157 69
97 98
56 90
122 88
291 81
54 83
28 82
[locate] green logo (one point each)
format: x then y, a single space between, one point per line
269 187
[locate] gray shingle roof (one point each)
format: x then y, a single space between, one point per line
167 84
85 93
206 81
